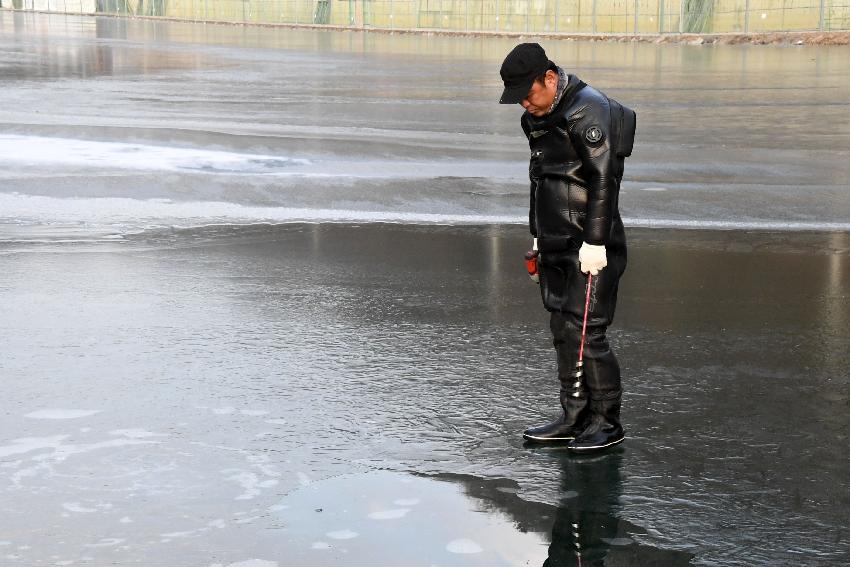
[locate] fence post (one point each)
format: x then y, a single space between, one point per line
822 21
466 17
661 16
557 13
594 16
637 7
527 14
497 15
682 16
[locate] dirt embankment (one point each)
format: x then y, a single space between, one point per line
768 38
772 38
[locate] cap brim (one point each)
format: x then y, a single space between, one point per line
515 94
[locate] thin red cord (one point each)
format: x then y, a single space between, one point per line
584 323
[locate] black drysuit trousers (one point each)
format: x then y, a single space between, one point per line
563 287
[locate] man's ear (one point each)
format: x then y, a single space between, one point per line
551 78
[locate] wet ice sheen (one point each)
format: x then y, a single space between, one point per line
406 348
261 137
411 537
295 320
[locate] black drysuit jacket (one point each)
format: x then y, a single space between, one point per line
577 155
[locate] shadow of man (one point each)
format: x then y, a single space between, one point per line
587 531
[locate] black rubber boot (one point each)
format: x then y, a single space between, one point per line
604 429
572 422
574 393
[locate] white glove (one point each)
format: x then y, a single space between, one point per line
592 258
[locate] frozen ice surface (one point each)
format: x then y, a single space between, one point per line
154 270
439 380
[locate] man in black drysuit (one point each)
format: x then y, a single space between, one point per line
578 139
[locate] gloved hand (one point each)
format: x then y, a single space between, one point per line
592 258
531 262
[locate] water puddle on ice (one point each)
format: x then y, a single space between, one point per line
386 518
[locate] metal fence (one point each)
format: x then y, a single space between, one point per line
547 16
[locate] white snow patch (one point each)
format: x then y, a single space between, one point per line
249 481
126 520
406 502
136 433
253 412
62 452
278 508
342 534
254 563
463 546
175 535
220 524
139 213
43 151
276 421
27 444
320 545
106 542
389 514
61 413
223 411
77 507
303 479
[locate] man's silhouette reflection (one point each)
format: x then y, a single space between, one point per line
585 523
587 531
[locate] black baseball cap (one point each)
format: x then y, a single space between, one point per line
524 63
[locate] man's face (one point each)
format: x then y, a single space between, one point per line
540 97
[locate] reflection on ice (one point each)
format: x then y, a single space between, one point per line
352 518
460 515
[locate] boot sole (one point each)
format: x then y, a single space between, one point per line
546 439
597 447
